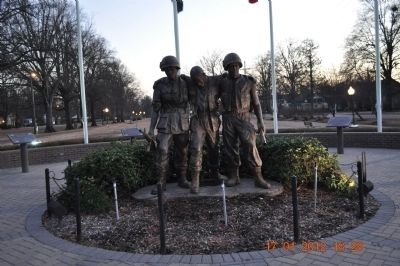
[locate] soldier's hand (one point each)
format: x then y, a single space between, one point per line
261 128
151 132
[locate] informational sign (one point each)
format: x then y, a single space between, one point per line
19 138
339 121
131 132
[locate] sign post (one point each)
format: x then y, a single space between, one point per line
131 133
339 123
23 139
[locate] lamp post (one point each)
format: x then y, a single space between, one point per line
35 129
351 93
106 110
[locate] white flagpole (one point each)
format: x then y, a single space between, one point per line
377 71
82 78
176 30
273 74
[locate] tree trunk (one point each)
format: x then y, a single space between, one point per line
67 114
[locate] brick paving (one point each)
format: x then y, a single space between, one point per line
24 241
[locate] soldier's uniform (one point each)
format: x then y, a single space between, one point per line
171 109
204 128
239 98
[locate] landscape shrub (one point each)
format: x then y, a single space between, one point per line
284 157
130 165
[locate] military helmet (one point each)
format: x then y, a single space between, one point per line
169 61
231 58
195 71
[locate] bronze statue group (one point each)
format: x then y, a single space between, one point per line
200 99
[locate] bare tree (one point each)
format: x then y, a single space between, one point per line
360 45
212 63
40 37
309 50
291 69
263 75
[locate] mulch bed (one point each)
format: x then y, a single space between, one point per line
196 225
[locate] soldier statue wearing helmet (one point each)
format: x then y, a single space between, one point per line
204 127
169 61
239 98
171 118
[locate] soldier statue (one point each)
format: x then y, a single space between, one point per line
171 117
204 126
239 98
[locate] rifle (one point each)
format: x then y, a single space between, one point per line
150 140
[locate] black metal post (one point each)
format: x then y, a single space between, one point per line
360 189
24 157
295 210
47 178
339 134
69 163
161 217
364 166
78 210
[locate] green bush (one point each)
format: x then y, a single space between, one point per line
284 157
130 165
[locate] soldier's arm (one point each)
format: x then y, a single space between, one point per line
257 106
156 109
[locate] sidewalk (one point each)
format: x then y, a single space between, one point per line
23 241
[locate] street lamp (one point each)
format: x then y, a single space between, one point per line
35 129
106 110
351 93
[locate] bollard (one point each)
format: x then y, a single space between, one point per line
69 163
295 210
360 189
78 210
47 179
161 217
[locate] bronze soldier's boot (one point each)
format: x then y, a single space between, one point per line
195 186
259 180
233 177
182 181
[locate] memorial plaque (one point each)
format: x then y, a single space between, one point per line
20 138
131 132
339 121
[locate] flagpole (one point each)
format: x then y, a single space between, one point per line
176 30
378 106
273 71
82 78
273 74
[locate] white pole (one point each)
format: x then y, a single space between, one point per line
116 199
176 30
224 202
377 71
273 74
82 77
315 186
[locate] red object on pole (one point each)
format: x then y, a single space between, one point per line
253 1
